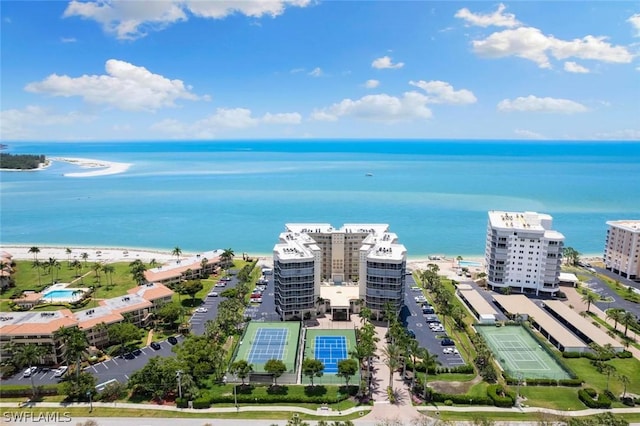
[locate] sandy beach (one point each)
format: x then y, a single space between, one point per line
127 254
104 167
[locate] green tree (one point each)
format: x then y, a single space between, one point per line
36 265
429 362
97 268
169 312
74 344
227 257
177 251
108 271
67 250
28 356
276 368
241 369
616 315
571 255
35 250
157 378
192 287
78 389
84 256
123 333
201 357
625 380
627 319
391 355
312 368
137 269
347 368
589 298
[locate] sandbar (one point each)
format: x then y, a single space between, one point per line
104 167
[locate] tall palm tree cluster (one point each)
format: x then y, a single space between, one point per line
442 296
623 317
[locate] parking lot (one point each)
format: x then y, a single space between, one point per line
118 368
415 320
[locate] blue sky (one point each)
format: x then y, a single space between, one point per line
157 70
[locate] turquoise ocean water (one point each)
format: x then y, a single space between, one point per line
239 194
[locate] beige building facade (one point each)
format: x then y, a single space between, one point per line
622 248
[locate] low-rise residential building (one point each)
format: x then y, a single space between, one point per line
185 269
35 327
622 248
523 252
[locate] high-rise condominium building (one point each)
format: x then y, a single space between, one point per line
523 252
622 248
315 262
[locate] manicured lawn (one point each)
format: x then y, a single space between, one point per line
559 398
479 389
452 377
4 306
629 367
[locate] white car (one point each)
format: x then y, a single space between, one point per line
29 371
213 294
60 371
416 289
450 351
202 310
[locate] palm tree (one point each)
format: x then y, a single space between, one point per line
227 257
53 264
391 355
36 264
68 251
97 267
203 267
84 257
589 298
77 266
35 250
615 314
108 271
74 343
627 319
153 262
27 356
177 251
625 380
137 271
429 360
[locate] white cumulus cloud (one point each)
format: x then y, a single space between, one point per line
619 135
125 86
441 92
385 62
21 123
282 118
535 104
497 18
129 20
634 20
371 84
575 68
316 72
528 134
385 108
530 43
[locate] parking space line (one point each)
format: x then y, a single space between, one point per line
105 365
114 361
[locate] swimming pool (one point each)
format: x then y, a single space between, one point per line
468 263
63 295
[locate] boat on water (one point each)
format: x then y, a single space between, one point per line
368 174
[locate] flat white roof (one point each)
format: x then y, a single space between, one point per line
568 278
340 295
582 324
476 300
627 225
530 221
521 304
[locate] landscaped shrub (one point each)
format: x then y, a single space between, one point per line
601 402
201 403
610 395
12 391
624 354
570 382
448 402
591 392
182 402
500 396
572 354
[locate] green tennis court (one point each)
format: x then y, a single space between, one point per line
263 341
330 347
519 354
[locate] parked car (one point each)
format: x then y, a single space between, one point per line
431 318
29 371
137 352
428 311
450 351
416 289
155 345
172 340
411 333
447 342
60 371
225 279
202 310
213 294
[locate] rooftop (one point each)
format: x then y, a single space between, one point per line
176 268
35 322
627 225
526 220
340 295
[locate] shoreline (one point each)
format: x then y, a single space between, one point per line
104 167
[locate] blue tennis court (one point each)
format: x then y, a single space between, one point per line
330 350
268 343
